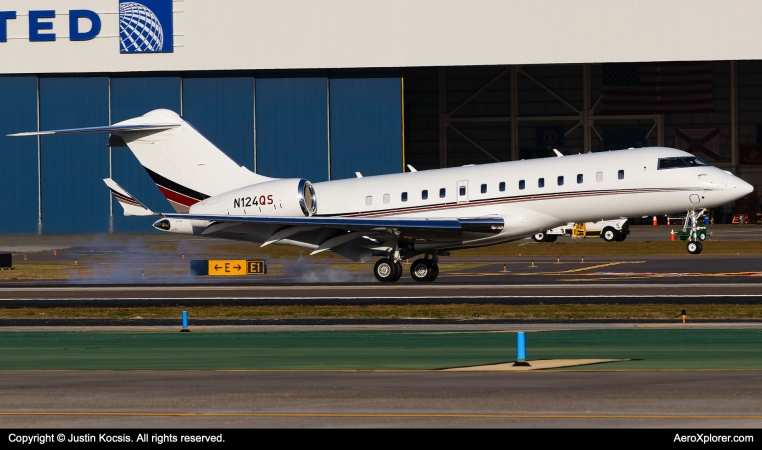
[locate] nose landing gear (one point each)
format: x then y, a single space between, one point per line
694 247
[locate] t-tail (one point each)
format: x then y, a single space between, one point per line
183 163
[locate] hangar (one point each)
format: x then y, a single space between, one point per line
323 90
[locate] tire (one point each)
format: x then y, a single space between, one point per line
434 272
539 237
422 270
385 270
694 247
702 236
609 234
622 236
398 273
550 238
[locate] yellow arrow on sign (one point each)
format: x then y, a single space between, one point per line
227 267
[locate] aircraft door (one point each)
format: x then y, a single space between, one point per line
462 191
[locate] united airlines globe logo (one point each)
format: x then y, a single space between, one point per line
139 29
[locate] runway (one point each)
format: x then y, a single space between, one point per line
715 279
151 399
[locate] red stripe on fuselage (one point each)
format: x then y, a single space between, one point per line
177 197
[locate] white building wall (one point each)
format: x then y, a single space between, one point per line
285 34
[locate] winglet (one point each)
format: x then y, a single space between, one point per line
131 205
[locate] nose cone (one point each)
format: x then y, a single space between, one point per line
744 188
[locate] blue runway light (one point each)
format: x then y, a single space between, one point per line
521 350
185 321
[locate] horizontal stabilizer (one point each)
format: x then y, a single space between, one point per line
113 129
131 205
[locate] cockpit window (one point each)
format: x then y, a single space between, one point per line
694 162
675 163
671 163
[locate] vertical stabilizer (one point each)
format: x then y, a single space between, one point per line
184 164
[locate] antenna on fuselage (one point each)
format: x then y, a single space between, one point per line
559 154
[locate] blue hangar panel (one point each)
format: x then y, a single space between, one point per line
222 109
74 197
366 126
133 97
18 173
292 128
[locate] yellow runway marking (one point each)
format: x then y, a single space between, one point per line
451 416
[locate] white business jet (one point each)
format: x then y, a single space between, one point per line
407 214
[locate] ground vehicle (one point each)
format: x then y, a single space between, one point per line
608 230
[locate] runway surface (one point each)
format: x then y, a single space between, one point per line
715 279
674 399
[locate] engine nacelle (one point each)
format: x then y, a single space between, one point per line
286 198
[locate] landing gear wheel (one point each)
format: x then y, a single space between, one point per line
544 237
609 234
702 236
385 270
422 270
694 247
434 272
398 271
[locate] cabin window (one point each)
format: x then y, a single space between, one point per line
442 193
369 200
599 176
484 188
561 181
462 191
404 196
522 184
620 175
387 198
541 182
502 186
579 178
424 194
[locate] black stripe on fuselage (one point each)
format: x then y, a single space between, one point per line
180 189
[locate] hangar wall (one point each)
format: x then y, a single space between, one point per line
281 125
308 34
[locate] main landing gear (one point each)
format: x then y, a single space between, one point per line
387 270
694 246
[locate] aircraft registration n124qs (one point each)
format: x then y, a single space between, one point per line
409 214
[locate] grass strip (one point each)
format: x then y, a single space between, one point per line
448 311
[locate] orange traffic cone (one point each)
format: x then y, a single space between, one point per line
654 220
672 235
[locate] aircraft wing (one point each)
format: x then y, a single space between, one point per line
353 237
491 225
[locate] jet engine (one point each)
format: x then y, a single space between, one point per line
284 198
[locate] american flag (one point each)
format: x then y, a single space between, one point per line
657 88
